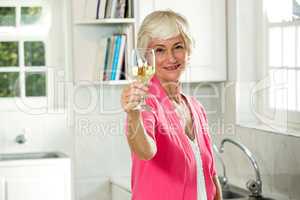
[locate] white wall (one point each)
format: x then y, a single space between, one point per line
45 132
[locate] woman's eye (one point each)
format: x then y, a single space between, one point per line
179 47
159 50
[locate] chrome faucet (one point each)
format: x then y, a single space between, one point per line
223 179
254 186
20 139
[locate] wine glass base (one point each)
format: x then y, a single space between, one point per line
143 107
146 107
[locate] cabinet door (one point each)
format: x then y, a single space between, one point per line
2 188
36 182
34 189
207 21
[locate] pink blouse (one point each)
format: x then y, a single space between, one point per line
171 174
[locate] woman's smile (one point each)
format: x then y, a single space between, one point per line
172 67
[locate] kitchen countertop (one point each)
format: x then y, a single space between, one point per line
122 181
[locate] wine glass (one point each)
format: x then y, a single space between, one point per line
142 69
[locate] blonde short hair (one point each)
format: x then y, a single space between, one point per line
164 24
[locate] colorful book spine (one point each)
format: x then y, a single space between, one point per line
121 57
115 57
110 57
107 50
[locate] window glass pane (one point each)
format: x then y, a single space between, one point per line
298 46
275 47
291 99
289 46
296 8
278 89
30 15
35 84
279 10
9 84
9 54
34 53
298 91
7 16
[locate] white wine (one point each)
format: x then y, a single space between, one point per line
143 73
143 68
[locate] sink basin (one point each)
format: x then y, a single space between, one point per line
234 192
30 156
227 194
260 198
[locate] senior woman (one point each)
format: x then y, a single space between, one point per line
171 148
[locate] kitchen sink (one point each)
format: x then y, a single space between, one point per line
227 194
31 156
237 193
234 192
260 198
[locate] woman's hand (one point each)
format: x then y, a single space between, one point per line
218 189
139 141
132 96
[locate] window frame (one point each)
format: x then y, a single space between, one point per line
286 121
16 34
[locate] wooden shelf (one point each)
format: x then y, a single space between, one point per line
117 82
106 21
97 83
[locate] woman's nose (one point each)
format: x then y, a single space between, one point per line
171 57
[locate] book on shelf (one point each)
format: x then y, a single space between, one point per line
105 64
113 9
120 9
101 6
110 58
113 57
121 57
99 72
128 9
108 9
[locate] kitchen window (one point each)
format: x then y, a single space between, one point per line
34 53
22 52
282 61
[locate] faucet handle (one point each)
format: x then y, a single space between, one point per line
254 187
223 181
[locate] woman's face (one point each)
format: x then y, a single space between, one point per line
171 56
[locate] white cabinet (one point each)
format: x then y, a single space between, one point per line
48 181
2 188
207 19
